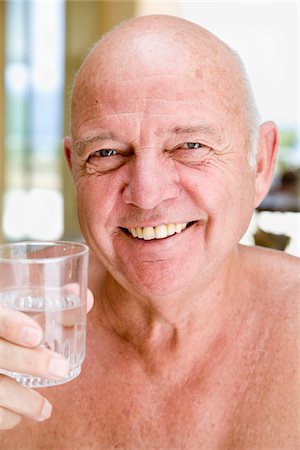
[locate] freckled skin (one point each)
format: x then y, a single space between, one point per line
193 339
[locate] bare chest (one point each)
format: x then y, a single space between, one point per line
247 402
132 417
96 413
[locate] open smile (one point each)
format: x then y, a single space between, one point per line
157 232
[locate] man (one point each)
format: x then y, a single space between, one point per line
193 340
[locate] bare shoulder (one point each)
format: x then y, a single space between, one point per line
274 281
273 271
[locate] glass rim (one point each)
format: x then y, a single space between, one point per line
83 249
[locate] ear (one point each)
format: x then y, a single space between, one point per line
266 154
68 151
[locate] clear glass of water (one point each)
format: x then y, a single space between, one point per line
48 281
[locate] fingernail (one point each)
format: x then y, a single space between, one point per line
58 367
31 335
46 411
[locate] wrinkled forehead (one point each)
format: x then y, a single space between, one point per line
181 66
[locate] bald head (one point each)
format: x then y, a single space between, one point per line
159 44
162 45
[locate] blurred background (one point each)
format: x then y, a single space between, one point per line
42 44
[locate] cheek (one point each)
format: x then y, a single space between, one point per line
225 195
234 206
96 196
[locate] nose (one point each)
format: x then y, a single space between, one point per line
152 180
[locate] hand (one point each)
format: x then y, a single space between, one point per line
20 336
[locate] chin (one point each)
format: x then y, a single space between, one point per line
159 280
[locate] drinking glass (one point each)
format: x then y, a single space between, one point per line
48 281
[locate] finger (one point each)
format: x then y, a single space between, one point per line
22 401
73 316
74 289
38 361
8 419
89 300
19 328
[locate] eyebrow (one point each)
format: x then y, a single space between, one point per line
208 129
81 143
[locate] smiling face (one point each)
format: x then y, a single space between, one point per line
159 155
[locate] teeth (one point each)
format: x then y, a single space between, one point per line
171 229
159 232
179 227
139 232
133 232
148 233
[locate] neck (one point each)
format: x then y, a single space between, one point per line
188 325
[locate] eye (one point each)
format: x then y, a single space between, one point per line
105 160
104 153
192 153
192 145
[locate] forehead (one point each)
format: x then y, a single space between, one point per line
160 103
157 103
154 76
